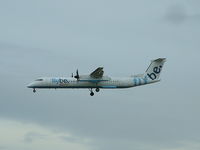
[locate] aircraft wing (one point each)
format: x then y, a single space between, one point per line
98 73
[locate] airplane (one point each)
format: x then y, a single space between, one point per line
96 80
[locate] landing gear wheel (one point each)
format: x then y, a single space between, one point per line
34 90
92 94
97 90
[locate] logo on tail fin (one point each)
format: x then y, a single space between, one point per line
156 71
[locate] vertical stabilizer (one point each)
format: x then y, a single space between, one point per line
154 69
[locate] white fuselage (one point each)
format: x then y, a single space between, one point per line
97 80
61 82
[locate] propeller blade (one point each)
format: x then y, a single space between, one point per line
77 75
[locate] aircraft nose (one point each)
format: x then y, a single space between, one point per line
30 85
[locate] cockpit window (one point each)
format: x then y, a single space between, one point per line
39 80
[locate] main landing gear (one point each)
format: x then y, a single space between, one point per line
91 91
34 90
97 90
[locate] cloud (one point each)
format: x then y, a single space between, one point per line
31 136
178 14
2 148
140 145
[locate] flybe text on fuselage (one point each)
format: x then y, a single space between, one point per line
59 81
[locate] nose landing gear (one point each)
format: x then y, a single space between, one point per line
34 90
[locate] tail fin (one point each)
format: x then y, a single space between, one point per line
154 69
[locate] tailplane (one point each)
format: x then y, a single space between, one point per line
154 69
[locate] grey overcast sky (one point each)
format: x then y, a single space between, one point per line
54 38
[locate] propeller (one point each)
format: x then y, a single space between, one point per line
72 75
77 75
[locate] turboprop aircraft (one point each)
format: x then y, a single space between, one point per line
96 80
